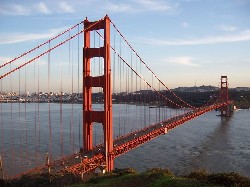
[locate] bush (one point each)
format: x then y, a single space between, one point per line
160 171
225 179
229 179
125 171
200 175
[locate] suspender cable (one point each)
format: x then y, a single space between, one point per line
127 95
70 127
141 104
152 87
125 99
19 117
35 114
136 103
159 104
120 89
49 112
11 123
79 131
38 107
28 126
1 121
78 81
145 81
131 89
145 103
25 116
113 73
46 52
78 64
61 121
72 102
39 46
166 107
131 77
69 52
187 105
2 133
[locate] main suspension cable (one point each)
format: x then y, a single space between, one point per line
37 47
46 52
149 68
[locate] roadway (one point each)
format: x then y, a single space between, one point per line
83 162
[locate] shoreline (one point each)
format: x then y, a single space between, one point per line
130 177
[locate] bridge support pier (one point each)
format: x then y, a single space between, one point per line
224 96
89 116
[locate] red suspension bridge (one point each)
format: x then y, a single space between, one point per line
109 90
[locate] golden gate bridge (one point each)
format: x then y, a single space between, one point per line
108 65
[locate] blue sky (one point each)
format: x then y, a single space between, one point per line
183 41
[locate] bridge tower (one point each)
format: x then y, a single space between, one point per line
104 81
224 96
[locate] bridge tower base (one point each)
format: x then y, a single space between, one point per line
104 81
224 96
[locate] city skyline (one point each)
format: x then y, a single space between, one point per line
184 42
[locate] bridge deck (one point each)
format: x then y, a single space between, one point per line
81 163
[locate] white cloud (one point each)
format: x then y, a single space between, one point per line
182 60
185 25
66 8
59 7
227 28
241 36
14 64
122 7
35 8
43 8
140 6
14 9
4 59
20 37
154 5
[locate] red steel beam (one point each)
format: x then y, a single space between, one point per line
93 162
127 146
89 164
90 116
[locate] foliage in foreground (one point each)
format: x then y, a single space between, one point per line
155 177
224 179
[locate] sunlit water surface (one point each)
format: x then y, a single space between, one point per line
207 142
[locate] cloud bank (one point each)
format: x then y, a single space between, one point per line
140 6
10 38
35 8
182 60
241 36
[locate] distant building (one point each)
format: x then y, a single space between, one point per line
238 89
197 89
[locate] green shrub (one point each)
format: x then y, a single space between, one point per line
160 171
229 179
200 175
125 171
225 179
